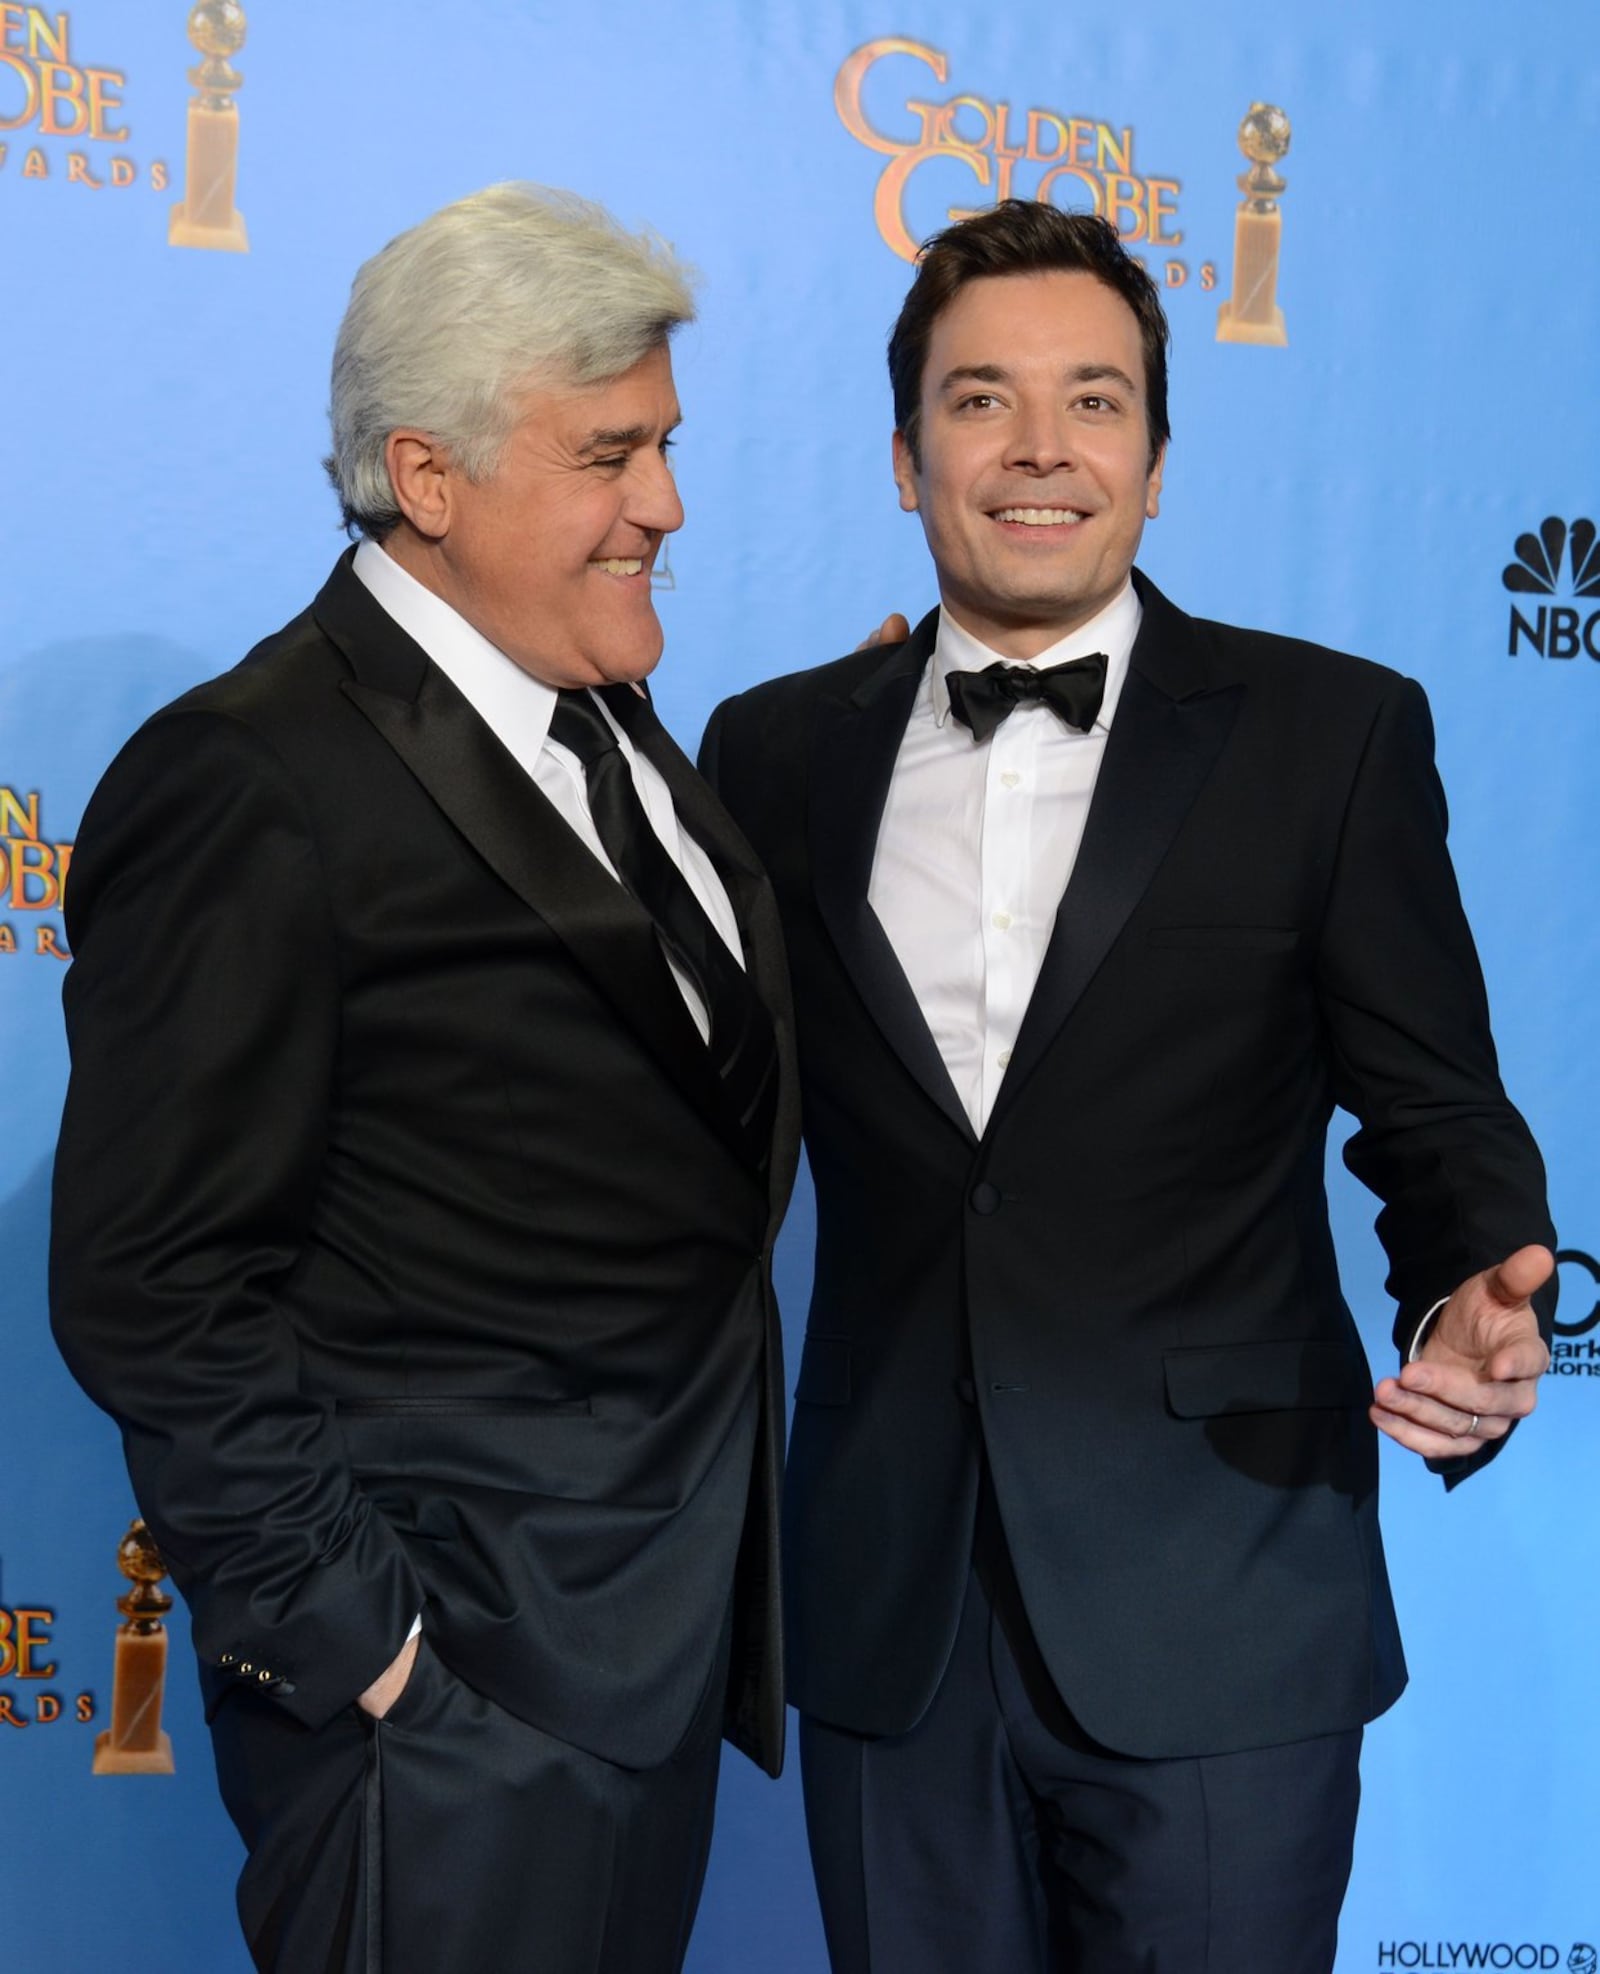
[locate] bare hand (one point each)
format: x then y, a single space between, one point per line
893 630
381 1695
1480 1368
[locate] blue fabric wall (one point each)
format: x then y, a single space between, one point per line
1366 486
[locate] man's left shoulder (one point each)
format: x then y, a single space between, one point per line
1295 669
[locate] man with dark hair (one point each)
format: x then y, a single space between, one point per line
1095 912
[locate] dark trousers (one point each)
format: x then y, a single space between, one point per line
453 1838
997 1838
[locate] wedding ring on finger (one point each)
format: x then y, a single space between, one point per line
1469 1431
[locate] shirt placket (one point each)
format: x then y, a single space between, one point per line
1007 779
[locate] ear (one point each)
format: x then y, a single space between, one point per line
905 474
423 481
1152 498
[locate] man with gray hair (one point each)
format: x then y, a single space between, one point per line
431 1116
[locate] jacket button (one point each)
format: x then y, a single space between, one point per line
985 1198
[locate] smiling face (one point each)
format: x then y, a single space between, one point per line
550 556
1035 479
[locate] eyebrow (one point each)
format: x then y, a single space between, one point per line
994 373
607 438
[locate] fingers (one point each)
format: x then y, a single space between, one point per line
1504 1384
1528 1358
381 1695
1443 1398
1456 1418
893 630
1521 1274
1432 1445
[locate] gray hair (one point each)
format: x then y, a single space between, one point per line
452 321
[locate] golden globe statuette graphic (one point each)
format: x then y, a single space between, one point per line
207 216
1251 313
135 1744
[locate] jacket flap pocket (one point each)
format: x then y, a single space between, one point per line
1281 1375
824 1372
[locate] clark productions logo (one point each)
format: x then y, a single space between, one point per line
32 1692
33 878
1559 556
1435 1954
1575 1353
69 120
949 158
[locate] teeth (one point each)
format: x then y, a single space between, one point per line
618 565
1039 517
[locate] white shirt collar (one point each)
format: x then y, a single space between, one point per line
1111 630
511 701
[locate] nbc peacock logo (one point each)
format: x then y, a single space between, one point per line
1559 555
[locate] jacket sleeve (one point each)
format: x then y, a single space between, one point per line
203 1010
1438 1140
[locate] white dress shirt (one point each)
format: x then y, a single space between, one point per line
977 842
517 708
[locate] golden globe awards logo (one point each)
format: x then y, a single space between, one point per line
1004 151
30 1688
33 877
65 120
63 117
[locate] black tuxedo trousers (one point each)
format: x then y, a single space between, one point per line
400 1221
1123 1293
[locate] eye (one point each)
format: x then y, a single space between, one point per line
666 448
976 401
1093 401
613 461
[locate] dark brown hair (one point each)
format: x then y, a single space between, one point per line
1022 236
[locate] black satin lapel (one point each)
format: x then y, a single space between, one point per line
756 908
854 745
1158 755
523 839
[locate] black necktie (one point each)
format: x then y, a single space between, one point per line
741 1042
1073 691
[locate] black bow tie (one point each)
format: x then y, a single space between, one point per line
1073 691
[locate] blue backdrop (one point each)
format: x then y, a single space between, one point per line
1367 485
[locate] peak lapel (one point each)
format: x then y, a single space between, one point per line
854 744
476 783
1171 724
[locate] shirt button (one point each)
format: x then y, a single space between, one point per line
1004 1058
1009 779
1001 921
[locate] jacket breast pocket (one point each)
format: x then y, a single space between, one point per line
824 1372
1280 1374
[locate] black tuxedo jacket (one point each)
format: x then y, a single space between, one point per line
397 1218
1124 1292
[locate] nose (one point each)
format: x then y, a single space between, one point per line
654 502
1041 437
